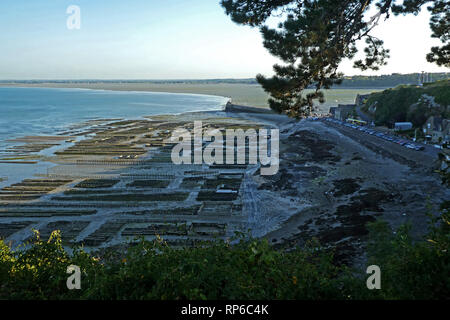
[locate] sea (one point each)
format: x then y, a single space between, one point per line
52 111
45 111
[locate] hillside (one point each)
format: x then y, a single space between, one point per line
410 103
387 81
383 81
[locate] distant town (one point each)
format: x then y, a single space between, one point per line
357 81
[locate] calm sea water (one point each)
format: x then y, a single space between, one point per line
43 111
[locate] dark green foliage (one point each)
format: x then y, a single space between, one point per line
249 269
411 270
40 271
152 270
315 36
418 116
385 81
394 105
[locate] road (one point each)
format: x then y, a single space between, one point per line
413 158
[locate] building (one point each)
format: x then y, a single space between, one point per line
344 111
437 129
403 126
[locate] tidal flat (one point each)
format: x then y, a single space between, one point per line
117 182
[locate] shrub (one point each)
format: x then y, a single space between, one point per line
412 270
249 269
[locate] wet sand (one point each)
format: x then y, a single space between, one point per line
120 182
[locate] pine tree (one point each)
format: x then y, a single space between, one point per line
315 36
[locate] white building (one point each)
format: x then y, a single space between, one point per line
402 126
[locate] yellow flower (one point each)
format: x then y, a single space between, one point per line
294 280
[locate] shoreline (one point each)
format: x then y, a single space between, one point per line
328 186
146 87
251 95
220 106
109 90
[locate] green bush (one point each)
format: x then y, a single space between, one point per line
39 272
393 105
411 270
250 269
153 270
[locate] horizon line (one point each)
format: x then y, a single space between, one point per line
189 79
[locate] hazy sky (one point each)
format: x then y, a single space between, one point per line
161 39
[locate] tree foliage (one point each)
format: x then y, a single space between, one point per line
314 36
406 103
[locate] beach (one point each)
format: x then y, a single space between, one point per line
114 180
119 182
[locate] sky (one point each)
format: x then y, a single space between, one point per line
170 39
